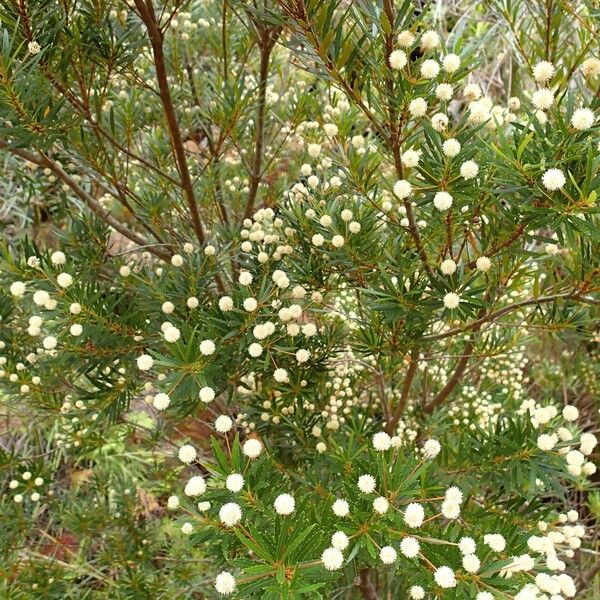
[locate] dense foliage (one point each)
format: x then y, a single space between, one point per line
299 299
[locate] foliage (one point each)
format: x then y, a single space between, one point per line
338 259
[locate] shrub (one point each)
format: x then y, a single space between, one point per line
291 291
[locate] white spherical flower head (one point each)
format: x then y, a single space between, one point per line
583 118
161 401
442 201
41 297
448 267
406 39
410 547
284 504
332 559
76 330
340 508
414 515
49 342
495 541
546 442
471 563
64 280
366 484
226 303
223 423
225 583
255 350
472 92
553 179
430 40
467 545
144 362
483 263
591 67
250 304
245 278
575 458
337 241
340 540
171 334
382 441
195 486
469 169
230 514
398 59
430 69
570 413
411 158
417 592
207 347
58 258
543 71
177 260
542 99
444 577
417 107
314 150
451 300
451 63
451 147
330 129
187 528
17 289
281 376
187 454
402 189
173 502
381 505
252 448
431 448
485 596
388 555
444 92
302 355
234 482
206 394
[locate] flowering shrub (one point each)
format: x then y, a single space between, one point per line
294 305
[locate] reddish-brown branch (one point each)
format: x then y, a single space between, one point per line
365 585
90 201
146 11
265 44
459 370
410 375
476 325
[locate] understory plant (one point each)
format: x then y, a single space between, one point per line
299 299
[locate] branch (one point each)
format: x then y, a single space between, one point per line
266 42
475 325
366 585
93 204
461 365
146 11
410 375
